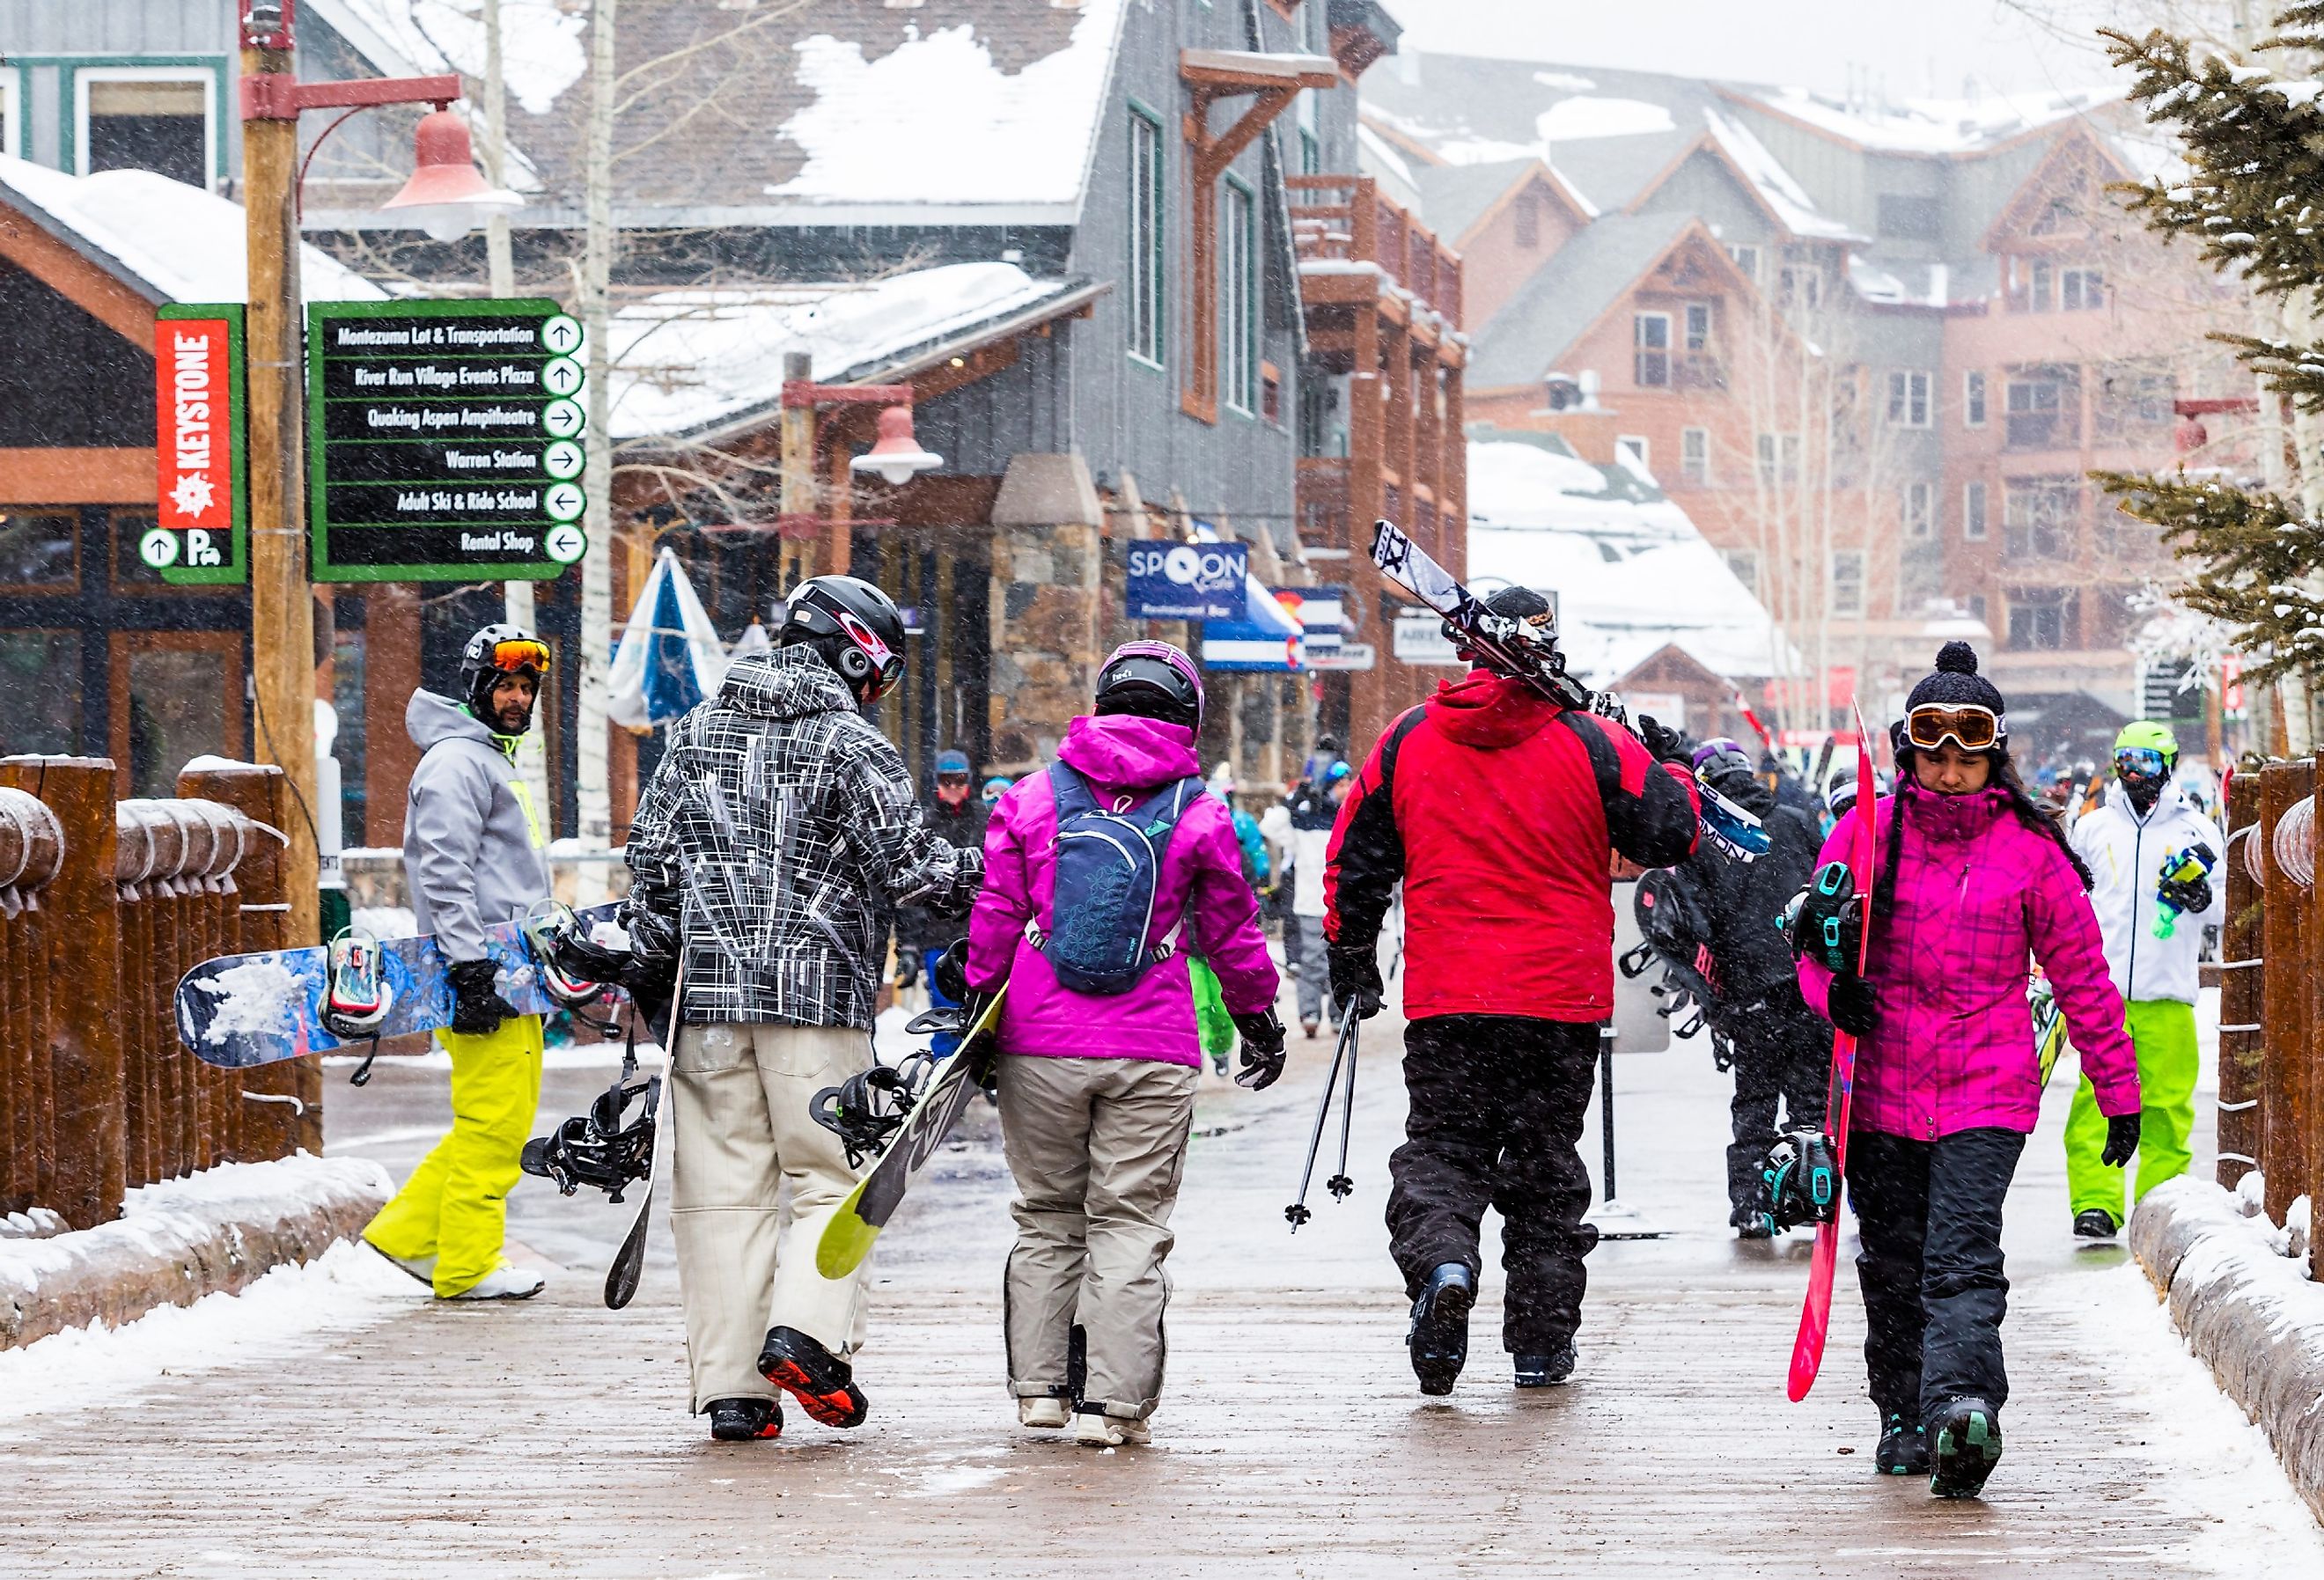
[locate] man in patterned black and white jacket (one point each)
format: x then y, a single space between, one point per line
772 846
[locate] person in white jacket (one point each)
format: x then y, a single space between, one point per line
2154 926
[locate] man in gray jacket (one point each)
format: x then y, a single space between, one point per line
770 850
473 855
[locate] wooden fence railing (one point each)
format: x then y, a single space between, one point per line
103 906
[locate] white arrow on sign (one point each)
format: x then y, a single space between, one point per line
566 543
561 333
564 501
562 459
158 548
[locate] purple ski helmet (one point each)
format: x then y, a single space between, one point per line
1154 680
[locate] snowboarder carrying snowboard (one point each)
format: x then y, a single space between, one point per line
1101 1055
1781 1048
473 847
2127 842
1973 877
1501 812
776 835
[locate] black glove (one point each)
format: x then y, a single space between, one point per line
1665 742
1850 1005
2191 898
1356 979
477 1007
907 968
2122 1139
1262 1050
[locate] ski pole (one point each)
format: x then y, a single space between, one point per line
1297 1212
1340 1185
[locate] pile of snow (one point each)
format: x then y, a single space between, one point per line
1571 120
290 1310
686 358
1631 570
936 122
186 243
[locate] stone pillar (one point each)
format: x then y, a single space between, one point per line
1049 542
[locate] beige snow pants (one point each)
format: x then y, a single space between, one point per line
738 1097
1098 1146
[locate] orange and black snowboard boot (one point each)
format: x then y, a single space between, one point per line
823 1384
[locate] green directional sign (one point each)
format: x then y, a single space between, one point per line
443 441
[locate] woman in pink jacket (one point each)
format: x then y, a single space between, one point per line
1974 879
1097 1087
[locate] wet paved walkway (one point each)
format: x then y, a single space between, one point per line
548 1440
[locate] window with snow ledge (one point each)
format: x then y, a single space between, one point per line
1908 400
1973 399
1694 456
1973 512
146 117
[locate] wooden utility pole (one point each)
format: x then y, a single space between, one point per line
798 482
282 600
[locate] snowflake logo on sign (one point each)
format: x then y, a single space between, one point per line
192 495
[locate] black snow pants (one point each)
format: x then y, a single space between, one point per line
1929 1214
1783 1049
1497 1103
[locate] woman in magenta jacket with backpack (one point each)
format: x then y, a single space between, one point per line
1100 876
1974 878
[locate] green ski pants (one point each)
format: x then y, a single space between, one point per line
2163 1032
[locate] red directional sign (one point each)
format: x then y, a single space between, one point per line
197 444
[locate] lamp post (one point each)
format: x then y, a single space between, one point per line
281 599
896 457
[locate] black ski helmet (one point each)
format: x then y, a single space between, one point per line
1153 680
855 627
1533 622
497 650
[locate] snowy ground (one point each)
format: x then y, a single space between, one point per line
550 1439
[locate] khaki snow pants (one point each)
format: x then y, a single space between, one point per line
738 1097
1098 1147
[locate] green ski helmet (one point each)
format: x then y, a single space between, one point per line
2141 734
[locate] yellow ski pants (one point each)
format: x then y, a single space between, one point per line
454 1206
2163 1032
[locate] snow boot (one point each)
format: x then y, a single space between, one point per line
1966 1437
823 1384
1094 1428
1903 1449
1308 1028
503 1283
2098 1224
1750 1223
745 1420
1041 1410
422 1268
1439 1336
1546 1371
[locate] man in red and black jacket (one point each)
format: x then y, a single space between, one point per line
1501 813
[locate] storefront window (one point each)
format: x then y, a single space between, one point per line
37 550
39 673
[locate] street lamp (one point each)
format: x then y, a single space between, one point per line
896 455
445 197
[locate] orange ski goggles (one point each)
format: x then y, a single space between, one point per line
513 656
1968 725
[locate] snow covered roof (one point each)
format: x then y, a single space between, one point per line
1931 125
1630 571
690 361
169 241
1793 209
806 112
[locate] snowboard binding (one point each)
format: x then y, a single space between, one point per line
552 933
1825 920
596 1148
355 994
1799 1183
868 1107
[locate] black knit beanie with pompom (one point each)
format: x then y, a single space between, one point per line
1957 682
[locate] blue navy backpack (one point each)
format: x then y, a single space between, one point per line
1109 866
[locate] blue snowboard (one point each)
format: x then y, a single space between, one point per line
243 1010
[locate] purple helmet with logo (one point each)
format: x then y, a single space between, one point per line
1154 680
